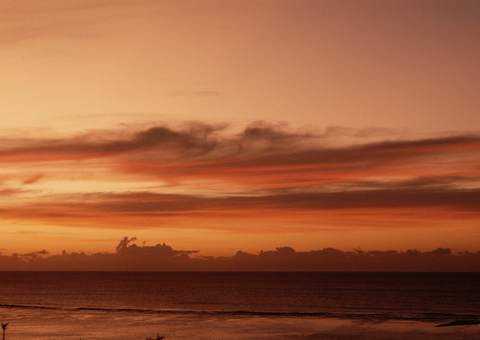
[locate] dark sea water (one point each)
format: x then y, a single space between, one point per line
233 305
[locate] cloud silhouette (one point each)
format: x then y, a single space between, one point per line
258 144
35 254
143 210
130 257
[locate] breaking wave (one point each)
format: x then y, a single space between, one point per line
377 316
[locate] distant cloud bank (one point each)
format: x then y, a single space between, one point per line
131 257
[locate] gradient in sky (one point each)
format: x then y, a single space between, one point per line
240 125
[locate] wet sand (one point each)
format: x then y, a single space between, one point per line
56 325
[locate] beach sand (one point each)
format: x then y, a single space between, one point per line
392 330
99 325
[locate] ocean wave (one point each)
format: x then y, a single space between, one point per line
379 316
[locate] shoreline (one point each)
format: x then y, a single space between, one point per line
95 325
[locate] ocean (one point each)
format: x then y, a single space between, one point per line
239 305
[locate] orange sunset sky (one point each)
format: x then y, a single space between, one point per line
221 126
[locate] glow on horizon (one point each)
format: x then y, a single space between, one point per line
240 126
265 181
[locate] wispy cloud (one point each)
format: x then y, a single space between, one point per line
265 171
29 21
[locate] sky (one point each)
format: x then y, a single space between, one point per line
224 126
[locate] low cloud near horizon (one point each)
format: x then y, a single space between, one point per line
161 257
